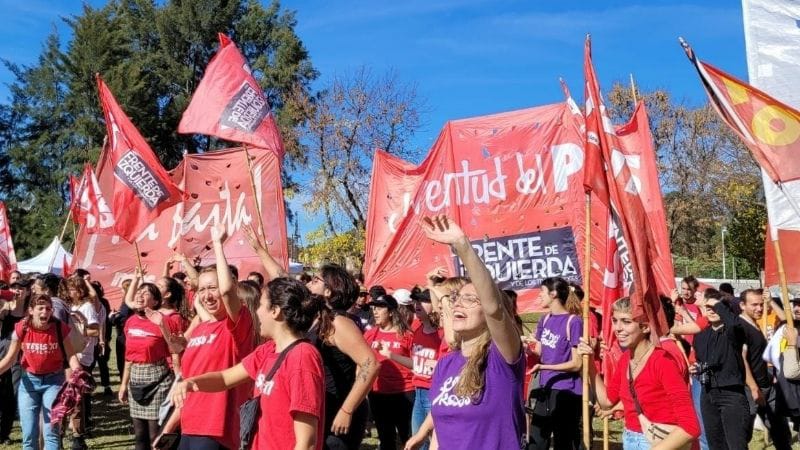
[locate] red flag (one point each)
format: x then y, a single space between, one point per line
141 187
89 207
635 243
66 270
8 259
594 179
229 103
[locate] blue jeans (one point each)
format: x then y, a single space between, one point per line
632 440
36 395
697 391
422 406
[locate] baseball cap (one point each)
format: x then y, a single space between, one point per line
385 301
403 297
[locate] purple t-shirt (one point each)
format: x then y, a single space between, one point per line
496 421
551 331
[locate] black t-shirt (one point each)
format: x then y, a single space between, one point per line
6 329
756 344
721 349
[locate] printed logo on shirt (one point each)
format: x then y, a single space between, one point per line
550 339
446 398
138 332
424 360
39 348
385 344
264 386
201 340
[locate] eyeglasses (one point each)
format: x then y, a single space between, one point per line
466 300
317 279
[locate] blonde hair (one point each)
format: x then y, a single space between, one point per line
573 304
472 380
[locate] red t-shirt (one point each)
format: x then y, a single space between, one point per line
425 353
297 387
215 346
661 390
178 322
144 342
392 378
41 353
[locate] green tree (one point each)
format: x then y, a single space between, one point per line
152 56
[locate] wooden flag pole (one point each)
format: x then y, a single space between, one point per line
605 433
138 258
587 435
255 196
633 92
60 238
787 307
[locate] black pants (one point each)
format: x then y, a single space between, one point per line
392 416
358 424
725 417
144 433
8 404
102 365
562 425
777 425
119 347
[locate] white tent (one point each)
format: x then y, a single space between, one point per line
42 261
295 267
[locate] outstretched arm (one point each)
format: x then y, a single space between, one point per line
227 285
498 318
273 269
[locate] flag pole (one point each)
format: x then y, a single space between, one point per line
60 238
633 91
256 201
587 437
138 257
787 308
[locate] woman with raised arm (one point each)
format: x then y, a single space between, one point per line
350 365
146 379
476 389
210 420
45 348
649 384
287 370
273 269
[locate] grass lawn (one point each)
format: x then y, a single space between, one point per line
112 429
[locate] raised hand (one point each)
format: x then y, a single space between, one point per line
218 233
442 229
252 238
154 316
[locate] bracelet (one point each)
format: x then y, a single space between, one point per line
349 413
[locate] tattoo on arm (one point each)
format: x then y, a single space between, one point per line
363 368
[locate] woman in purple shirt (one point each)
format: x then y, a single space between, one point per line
476 390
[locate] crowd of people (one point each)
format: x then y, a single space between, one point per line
316 361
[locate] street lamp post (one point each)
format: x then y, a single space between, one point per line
724 230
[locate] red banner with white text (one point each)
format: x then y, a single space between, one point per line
218 189
514 183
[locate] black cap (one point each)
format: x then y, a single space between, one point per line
25 284
421 295
385 301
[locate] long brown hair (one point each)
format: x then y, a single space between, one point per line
472 380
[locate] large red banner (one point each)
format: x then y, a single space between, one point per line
514 182
8 258
218 189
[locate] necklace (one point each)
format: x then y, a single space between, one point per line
635 363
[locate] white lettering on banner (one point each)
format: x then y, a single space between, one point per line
446 398
466 187
132 170
523 261
480 186
634 162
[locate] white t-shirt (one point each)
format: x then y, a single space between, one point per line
86 356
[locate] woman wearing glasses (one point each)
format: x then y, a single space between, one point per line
350 365
476 390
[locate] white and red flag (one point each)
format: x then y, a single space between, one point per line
89 207
608 175
229 103
8 259
142 188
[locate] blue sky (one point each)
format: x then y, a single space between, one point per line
474 57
